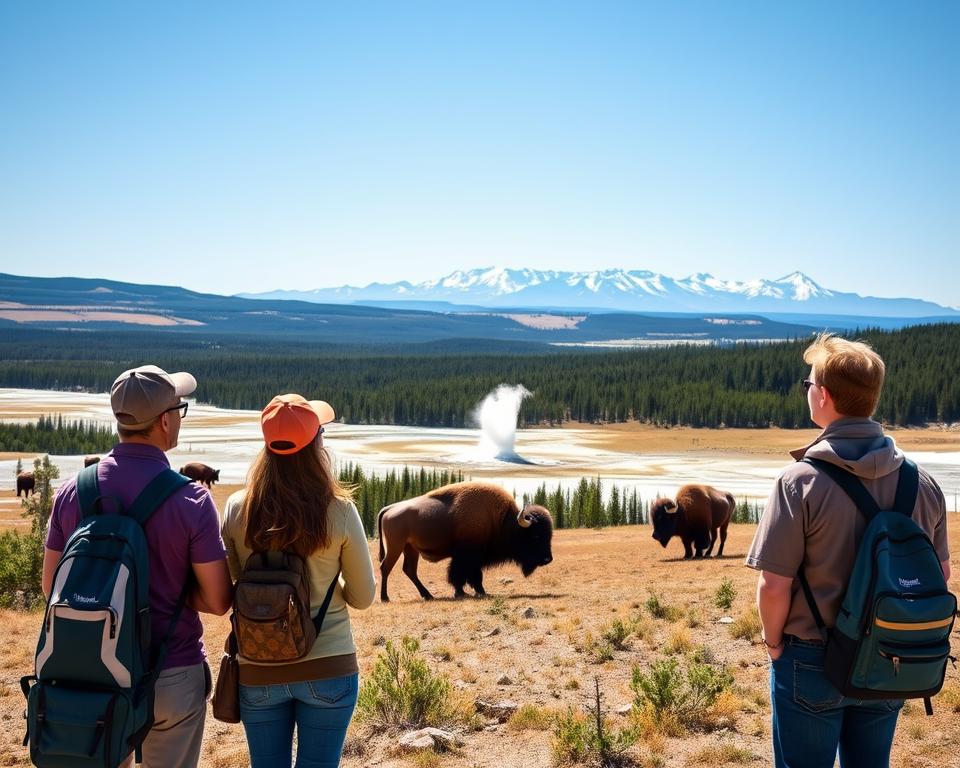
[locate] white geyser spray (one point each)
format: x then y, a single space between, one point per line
497 418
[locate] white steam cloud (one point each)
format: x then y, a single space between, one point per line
497 418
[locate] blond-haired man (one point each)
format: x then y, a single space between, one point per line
810 522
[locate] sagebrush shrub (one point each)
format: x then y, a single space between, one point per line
659 609
402 691
669 694
725 594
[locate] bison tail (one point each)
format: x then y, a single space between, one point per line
380 531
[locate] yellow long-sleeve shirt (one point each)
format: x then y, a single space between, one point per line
334 653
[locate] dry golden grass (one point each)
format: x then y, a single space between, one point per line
596 577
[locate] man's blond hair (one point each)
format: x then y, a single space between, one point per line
851 371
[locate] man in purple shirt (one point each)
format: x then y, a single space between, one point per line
183 539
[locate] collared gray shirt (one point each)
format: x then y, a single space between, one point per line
810 521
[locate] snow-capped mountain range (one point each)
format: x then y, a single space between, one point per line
623 290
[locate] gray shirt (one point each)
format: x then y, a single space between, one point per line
810 521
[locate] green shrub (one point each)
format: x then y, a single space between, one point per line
21 555
530 717
402 691
660 610
667 693
616 634
579 738
723 599
498 607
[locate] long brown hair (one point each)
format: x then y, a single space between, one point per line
287 497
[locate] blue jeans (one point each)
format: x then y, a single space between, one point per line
812 719
321 710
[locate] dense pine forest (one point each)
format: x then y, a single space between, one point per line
56 436
591 504
440 384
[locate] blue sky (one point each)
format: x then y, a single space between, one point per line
241 147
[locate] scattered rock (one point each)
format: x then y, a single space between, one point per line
529 613
504 680
492 632
379 640
625 709
725 620
506 580
429 738
492 727
501 711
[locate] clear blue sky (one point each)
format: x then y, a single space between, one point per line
241 147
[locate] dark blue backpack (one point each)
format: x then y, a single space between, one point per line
891 639
91 701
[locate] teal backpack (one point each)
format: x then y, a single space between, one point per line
892 635
91 698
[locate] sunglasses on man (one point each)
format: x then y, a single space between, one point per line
180 406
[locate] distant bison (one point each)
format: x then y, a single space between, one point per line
25 483
695 516
90 460
201 473
476 525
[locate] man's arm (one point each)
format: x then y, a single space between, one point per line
213 592
773 603
50 559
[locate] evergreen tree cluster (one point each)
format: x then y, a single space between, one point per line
372 492
56 436
746 385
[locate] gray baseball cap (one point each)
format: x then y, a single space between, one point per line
140 395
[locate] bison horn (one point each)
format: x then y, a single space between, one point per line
670 508
524 520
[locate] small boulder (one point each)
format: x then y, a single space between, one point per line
529 613
429 738
501 712
504 680
725 620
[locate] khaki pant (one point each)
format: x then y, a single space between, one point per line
179 711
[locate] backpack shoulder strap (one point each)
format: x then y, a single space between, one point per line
908 485
851 485
88 490
318 619
156 492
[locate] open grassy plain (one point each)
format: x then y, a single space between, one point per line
538 633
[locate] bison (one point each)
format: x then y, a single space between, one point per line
696 515
476 525
201 473
90 461
25 483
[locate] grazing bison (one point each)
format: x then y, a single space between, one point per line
696 515
201 473
90 460
476 525
25 483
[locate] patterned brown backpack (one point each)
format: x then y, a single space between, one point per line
271 608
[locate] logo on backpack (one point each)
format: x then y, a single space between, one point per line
907 583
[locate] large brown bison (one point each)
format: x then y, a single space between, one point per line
201 473
476 525
25 483
695 516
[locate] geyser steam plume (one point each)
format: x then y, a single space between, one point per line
497 417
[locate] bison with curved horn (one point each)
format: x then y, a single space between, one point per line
697 514
476 525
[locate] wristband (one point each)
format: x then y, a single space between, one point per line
772 646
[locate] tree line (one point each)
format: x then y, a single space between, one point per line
746 385
56 436
588 505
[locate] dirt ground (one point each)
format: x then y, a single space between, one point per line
537 636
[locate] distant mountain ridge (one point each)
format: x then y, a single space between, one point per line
621 290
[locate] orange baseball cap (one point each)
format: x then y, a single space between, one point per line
290 422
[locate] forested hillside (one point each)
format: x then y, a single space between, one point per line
440 384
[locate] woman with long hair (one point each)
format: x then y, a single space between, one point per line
293 503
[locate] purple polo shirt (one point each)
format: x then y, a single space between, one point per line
185 529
